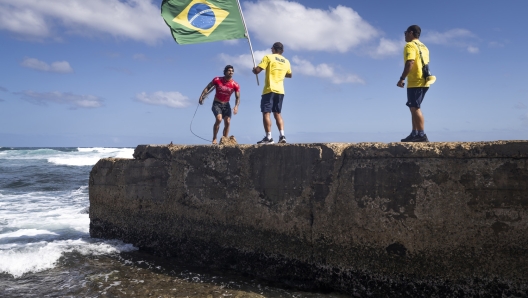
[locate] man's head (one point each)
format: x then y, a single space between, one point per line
229 71
413 32
277 48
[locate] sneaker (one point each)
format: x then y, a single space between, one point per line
265 140
420 139
408 138
282 139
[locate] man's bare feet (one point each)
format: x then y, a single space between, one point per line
215 142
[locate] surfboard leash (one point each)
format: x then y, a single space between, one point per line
190 126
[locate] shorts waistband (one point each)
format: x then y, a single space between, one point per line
221 102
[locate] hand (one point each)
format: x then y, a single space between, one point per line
235 110
200 101
401 83
254 70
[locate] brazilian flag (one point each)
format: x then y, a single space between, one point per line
195 21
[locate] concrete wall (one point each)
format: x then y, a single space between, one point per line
366 219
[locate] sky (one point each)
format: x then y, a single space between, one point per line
108 72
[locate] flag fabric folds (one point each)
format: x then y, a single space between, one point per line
196 21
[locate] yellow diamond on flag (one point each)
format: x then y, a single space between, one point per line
201 16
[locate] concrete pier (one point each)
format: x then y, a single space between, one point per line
397 219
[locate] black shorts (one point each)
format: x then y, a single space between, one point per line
220 108
271 102
415 96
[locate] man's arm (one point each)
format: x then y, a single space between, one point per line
257 69
406 70
237 102
204 92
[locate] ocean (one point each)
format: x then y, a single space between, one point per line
46 249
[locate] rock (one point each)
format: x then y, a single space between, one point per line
231 141
367 219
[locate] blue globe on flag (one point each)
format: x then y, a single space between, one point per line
201 16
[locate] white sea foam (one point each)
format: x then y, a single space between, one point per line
81 157
26 233
35 257
46 210
90 156
37 228
38 225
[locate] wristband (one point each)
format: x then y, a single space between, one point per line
402 79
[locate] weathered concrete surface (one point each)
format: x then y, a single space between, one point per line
398 219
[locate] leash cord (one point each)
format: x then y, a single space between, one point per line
190 126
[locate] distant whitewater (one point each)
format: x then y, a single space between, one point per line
46 249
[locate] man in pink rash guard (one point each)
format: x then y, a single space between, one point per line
225 86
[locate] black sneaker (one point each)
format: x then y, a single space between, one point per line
282 139
408 138
265 140
420 139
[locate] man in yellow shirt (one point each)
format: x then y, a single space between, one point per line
415 53
277 68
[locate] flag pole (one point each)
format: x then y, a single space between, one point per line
249 40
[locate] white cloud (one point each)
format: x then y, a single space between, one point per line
302 28
73 100
58 66
387 47
448 37
231 42
139 20
299 66
243 63
160 98
324 71
461 38
22 20
472 49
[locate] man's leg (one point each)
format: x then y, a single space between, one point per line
278 121
267 127
265 108
415 97
227 122
417 119
418 125
267 122
216 127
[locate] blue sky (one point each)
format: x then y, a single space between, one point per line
108 73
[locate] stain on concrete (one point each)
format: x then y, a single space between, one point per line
395 182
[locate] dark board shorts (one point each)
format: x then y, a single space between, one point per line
271 102
415 96
220 108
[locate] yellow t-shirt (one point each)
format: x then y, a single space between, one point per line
410 52
276 67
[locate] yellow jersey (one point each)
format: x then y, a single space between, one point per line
410 52
276 67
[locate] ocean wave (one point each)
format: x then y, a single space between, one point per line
66 156
26 233
43 207
36 257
